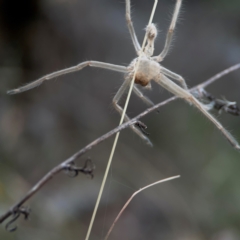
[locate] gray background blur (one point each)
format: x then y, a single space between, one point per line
44 126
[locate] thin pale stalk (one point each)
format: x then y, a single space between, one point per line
131 198
117 135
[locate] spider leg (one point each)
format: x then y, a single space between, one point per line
116 99
182 93
131 28
144 98
174 76
167 45
69 70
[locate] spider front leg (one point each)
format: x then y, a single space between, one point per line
131 28
182 93
76 68
168 41
116 99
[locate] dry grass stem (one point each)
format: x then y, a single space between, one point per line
118 133
131 198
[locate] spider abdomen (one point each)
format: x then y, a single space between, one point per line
147 70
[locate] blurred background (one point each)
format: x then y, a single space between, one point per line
42 127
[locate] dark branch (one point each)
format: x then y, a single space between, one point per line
15 215
72 170
68 163
16 209
217 104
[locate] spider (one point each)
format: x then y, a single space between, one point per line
149 68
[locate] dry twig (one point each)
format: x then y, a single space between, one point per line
68 162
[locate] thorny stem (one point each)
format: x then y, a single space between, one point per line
117 135
131 198
45 179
